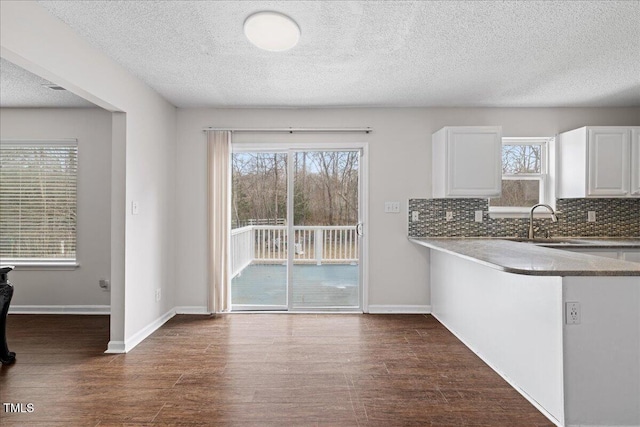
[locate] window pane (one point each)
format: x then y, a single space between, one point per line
518 193
259 189
521 159
38 201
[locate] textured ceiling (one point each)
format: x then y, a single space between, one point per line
22 89
374 53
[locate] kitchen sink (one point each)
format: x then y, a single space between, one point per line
549 242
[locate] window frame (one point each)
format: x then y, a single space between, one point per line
37 263
543 177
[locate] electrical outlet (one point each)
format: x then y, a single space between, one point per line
415 216
392 207
158 294
591 216
572 313
448 216
135 208
104 284
478 216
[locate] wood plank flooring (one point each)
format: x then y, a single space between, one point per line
255 370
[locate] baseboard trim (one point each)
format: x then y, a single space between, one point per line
60 309
115 347
192 309
399 309
143 333
504 377
138 337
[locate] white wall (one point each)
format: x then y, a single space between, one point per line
602 353
145 243
512 321
92 128
399 168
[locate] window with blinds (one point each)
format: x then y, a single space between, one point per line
38 207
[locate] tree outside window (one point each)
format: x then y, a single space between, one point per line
523 174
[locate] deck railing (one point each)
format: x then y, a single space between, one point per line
313 244
242 248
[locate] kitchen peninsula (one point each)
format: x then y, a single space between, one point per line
562 327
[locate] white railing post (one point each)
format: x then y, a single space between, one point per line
252 243
318 240
242 249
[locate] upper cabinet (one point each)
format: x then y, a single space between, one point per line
599 162
467 162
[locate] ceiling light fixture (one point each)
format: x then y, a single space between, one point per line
272 31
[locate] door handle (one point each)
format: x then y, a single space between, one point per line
359 229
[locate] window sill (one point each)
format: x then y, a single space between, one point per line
22 265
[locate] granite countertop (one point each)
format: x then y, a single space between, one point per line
532 259
586 242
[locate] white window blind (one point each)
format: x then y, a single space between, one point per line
38 207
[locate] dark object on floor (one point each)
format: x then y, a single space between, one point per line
6 292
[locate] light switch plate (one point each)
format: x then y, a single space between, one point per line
392 207
448 216
135 209
591 216
478 216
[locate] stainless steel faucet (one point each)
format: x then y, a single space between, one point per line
554 218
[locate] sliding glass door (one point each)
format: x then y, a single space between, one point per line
259 231
325 272
295 238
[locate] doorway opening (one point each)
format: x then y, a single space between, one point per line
297 235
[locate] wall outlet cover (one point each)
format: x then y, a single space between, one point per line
572 313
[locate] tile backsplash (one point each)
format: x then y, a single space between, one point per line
614 218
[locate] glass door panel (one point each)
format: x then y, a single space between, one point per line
325 270
259 231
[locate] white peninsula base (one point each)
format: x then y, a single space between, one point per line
585 374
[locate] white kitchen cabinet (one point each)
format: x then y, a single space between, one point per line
467 162
598 162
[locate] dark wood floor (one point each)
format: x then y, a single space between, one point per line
255 370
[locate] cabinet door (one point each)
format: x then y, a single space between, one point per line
608 152
474 156
635 162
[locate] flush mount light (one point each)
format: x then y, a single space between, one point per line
272 31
